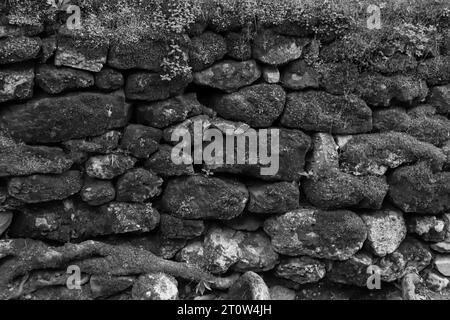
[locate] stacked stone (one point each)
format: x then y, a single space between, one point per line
364 180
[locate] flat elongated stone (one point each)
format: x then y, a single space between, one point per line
67 220
42 188
199 197
105 143
109 166
18 49
278 197
321 111
55 119
176 228
16 83
138 185
334 235
301 270
55 80
97 192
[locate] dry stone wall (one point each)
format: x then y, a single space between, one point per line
85 154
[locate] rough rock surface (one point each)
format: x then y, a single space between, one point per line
55 80
138 185
270 198
429 228
298 75
176 228
19 49
320 111
206 49
109 166
55 119
250 286
109 79
16 83
439 98
321 234
352 271
157 286
140 141
161 163
200 197
301 270
103 144
97 192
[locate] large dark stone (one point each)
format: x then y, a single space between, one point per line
42 188
229 75
97 192
16 83
55 80
23 160
147 86
352 271
334 235
206 49
55 119
162 114
176 228
68 220
141 141
258 105
161 163
138 185
378 152
320 111
338 78
109 79
299 75
417 189
278 197
18 49
200 197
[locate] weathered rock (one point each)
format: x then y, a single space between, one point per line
250 286
55 80
200 197
155 286
42 188
441 247
436 282
429 228
206 49
298 75
18 49
435 71
439 98
107 286
417 189
293 146
97 192
239 45
55 119
442 264
275 49
321 234
386 229
193 253
341 190
23 160
271 74
301 270
245 222
446 150
157 244
320 111
161 163
352 271
5 221
141 141
379 90
176 228
109 166
67 220
229 75
104 144
278 197
420 122
79 52
258 105
282 293
109 79
162 114
410 255
324 156
147 86
138 185
338 78
398 62
49 46
9 30
378 152
16 83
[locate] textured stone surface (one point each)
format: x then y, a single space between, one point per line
250 286
138 185
278 197
335 235
442 264
176 228
436 70
206 49
275 49
101 144
140 141
239 45
271 74
417 189
324 156
5 221
229 75
338 78
165 113
258 105
16 83
155 286
352 271
55 80
97 192
42 188
55 119
320 111
298 75
18 49
429 228
440 97
63 221
161 163
386 229
109 79
199 197
301 270
109 166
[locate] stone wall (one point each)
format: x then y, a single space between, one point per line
85 154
